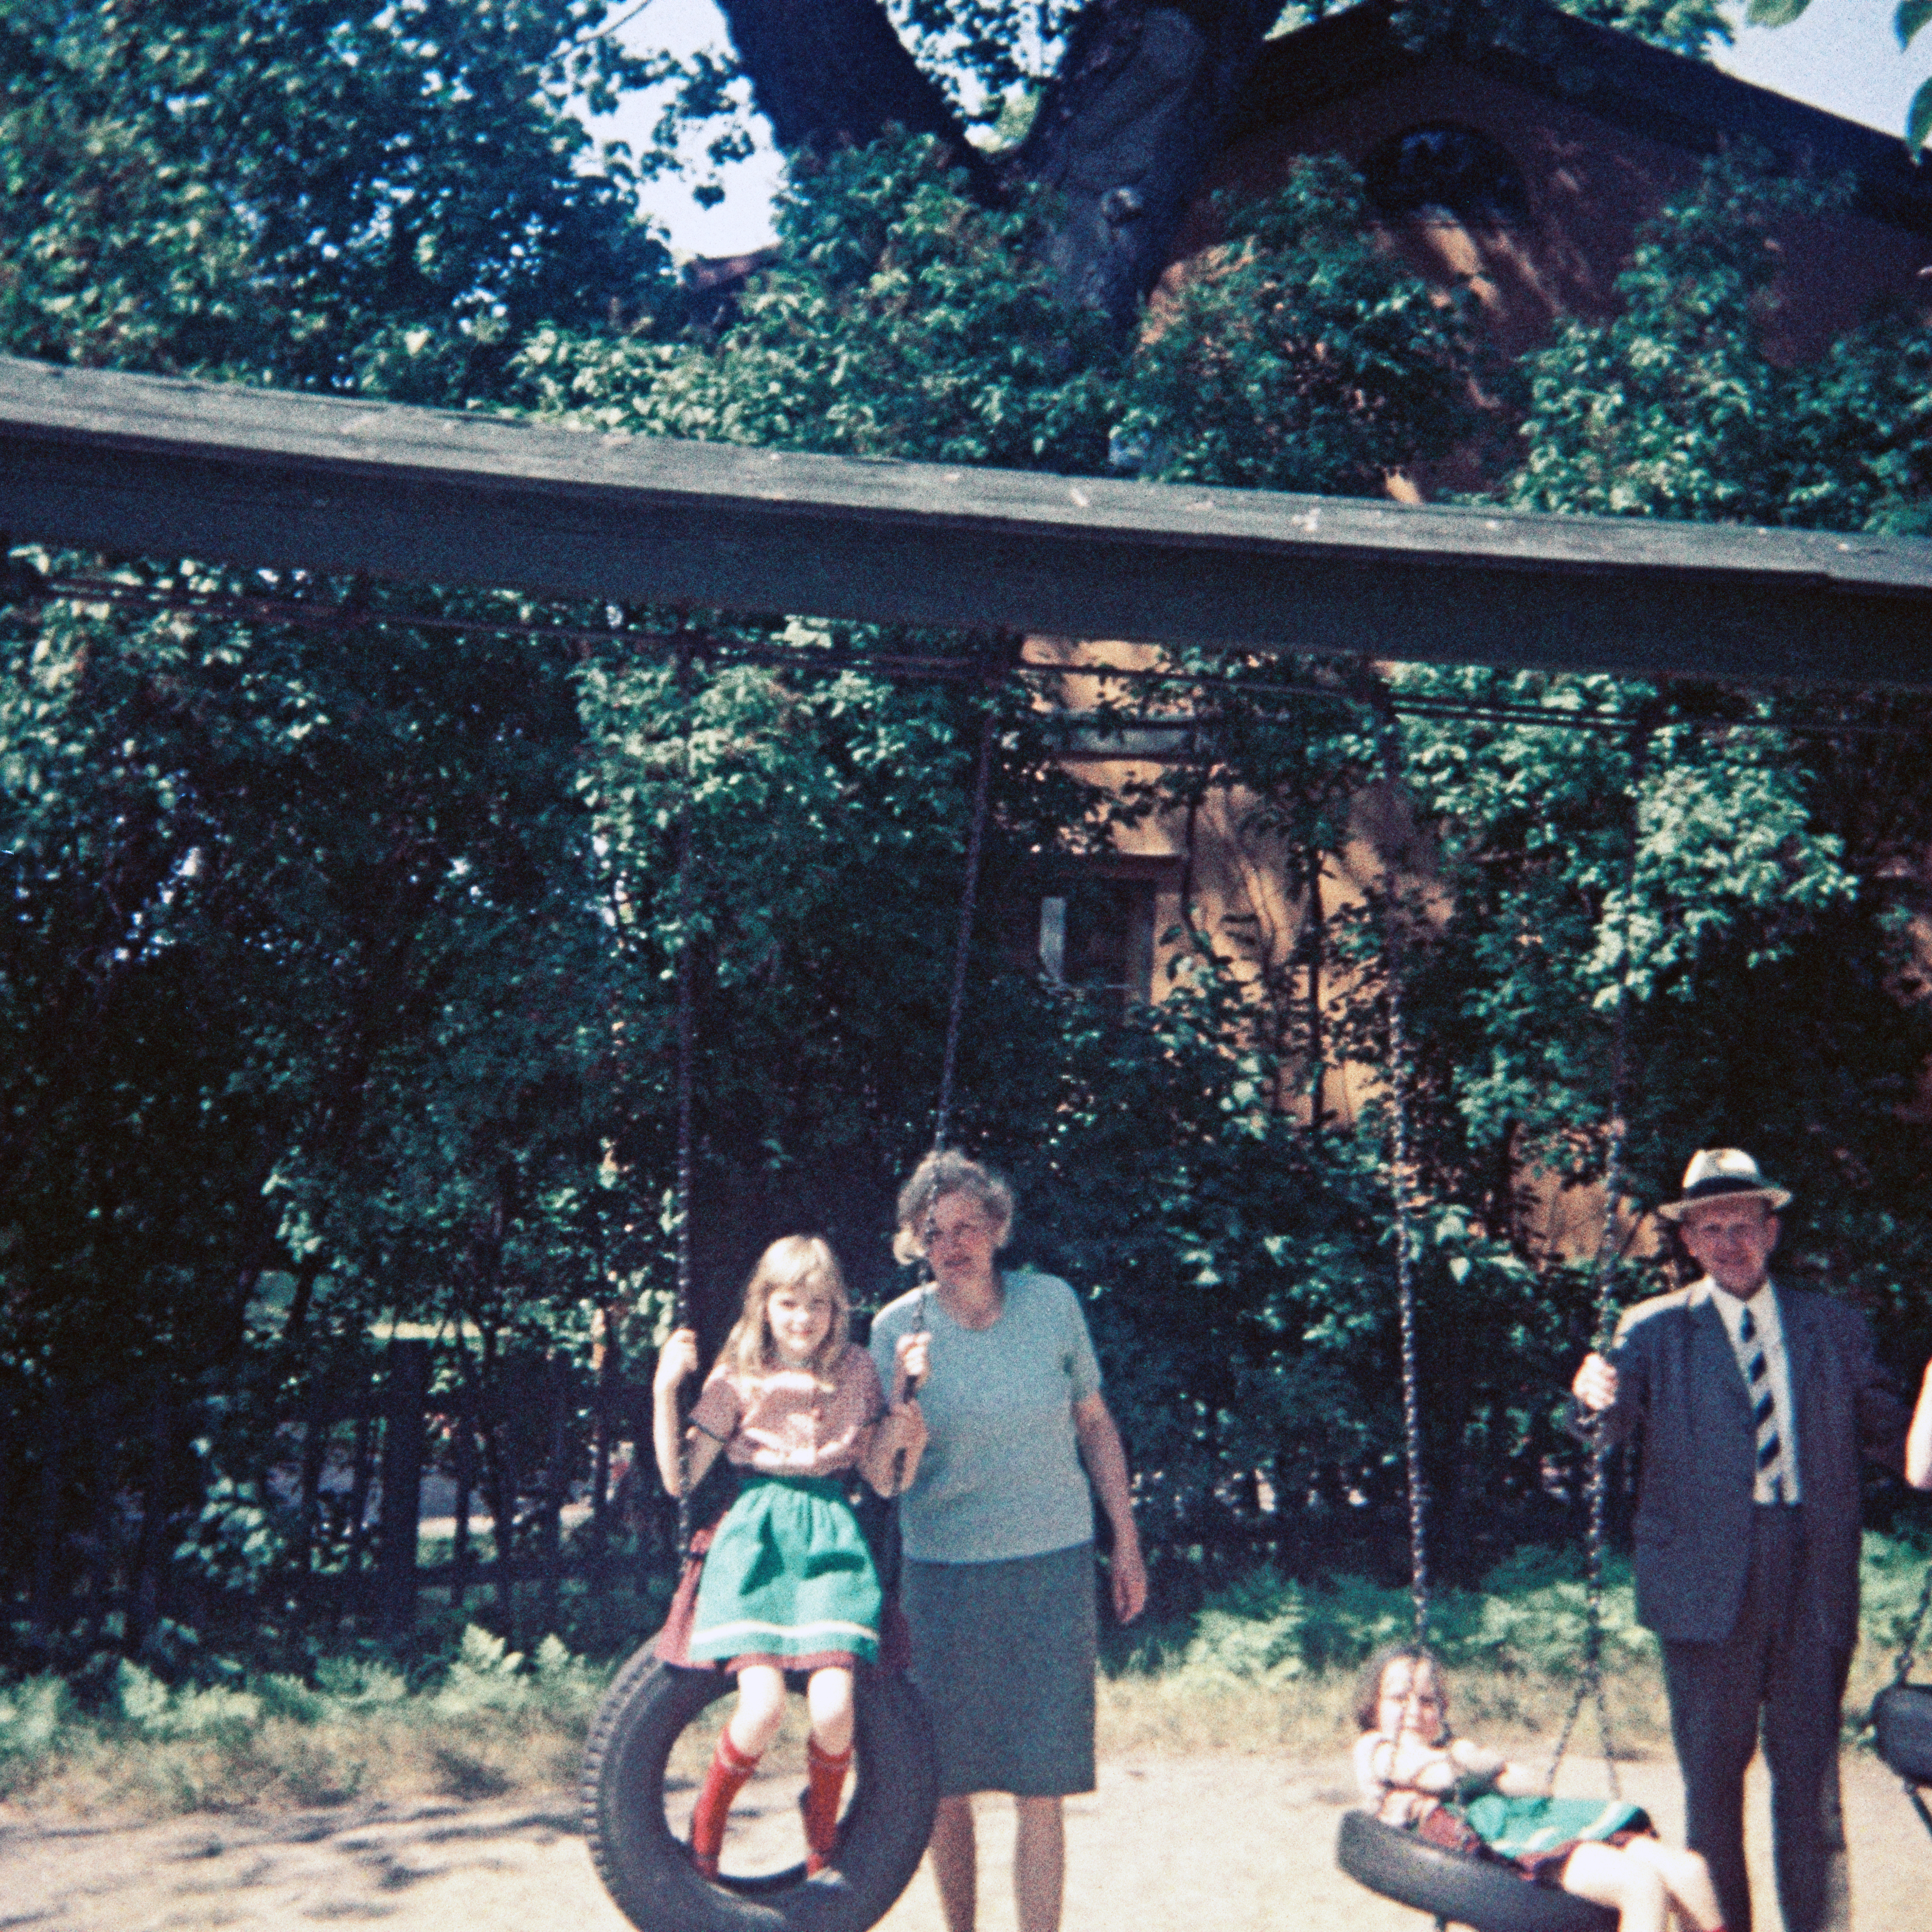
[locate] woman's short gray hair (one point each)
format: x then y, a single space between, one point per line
936 1176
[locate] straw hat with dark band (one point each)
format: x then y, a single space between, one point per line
1716 1172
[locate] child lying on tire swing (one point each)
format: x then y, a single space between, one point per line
787 1583
1416 1774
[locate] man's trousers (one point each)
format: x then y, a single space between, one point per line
1775 1663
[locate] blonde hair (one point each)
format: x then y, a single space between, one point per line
936 1176
804 1262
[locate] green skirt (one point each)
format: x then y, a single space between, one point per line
787 1575
1529 1829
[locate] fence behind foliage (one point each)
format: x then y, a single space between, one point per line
126 1506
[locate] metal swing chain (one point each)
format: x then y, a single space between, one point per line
686 1053
955 1011
1901 1667
1411 1391
1602 1282
962 950
1404 1266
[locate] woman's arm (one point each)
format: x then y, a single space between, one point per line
1106 1462
677 1362
1918 1437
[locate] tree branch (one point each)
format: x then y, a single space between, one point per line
834 74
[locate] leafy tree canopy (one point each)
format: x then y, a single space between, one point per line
342 932
386 199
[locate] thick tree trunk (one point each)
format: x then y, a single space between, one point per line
834 74
1141 102
1123 136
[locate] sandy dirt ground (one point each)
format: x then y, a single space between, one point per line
1225 1844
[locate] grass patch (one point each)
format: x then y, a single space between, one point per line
1266 1667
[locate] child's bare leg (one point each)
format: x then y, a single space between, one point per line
828 1695
761 1696
1632 1888
750 1729
1687 1879
1039 1863
828 1757
955 1862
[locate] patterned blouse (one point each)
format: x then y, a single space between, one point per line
791 1422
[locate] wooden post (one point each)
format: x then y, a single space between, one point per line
500 1474
47 1515
315 1453
151 1552
103 1439
405 1390
349 1596
608 1363
462 1558
556 1475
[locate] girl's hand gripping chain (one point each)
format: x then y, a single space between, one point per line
680 1467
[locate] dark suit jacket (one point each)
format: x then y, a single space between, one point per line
1682 1397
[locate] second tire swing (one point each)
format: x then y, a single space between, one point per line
1458 1889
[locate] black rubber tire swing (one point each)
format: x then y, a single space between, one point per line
1458 1889
648 1872
882 1835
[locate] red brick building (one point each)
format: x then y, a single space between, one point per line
1525 173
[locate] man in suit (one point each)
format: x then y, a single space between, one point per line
1751 1405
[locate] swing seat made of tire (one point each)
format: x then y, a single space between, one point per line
648 1872
1484 1894
1902 1728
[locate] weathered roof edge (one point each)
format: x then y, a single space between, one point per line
154 466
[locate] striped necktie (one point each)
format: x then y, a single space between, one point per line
1764 1409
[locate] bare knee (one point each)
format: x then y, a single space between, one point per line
828 1695
1631 1886
761 1695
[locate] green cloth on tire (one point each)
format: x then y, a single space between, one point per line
787 1575
1518 1828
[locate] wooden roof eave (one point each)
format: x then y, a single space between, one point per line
253 477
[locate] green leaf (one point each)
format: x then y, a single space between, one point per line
1911 15
1919 120
1774 13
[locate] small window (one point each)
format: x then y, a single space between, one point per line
1099 932
1447 174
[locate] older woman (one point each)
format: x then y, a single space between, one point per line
998 1527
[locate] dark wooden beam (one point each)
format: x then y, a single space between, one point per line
142 465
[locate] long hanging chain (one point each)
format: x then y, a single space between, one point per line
1590 1684
1901 1666
956 1010
1399 1153
962 950
686 1052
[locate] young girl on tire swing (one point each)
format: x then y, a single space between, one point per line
787 1583
1416 1774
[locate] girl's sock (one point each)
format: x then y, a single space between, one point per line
729 1768
825 1781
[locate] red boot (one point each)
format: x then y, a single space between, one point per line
729 1768
825 1783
